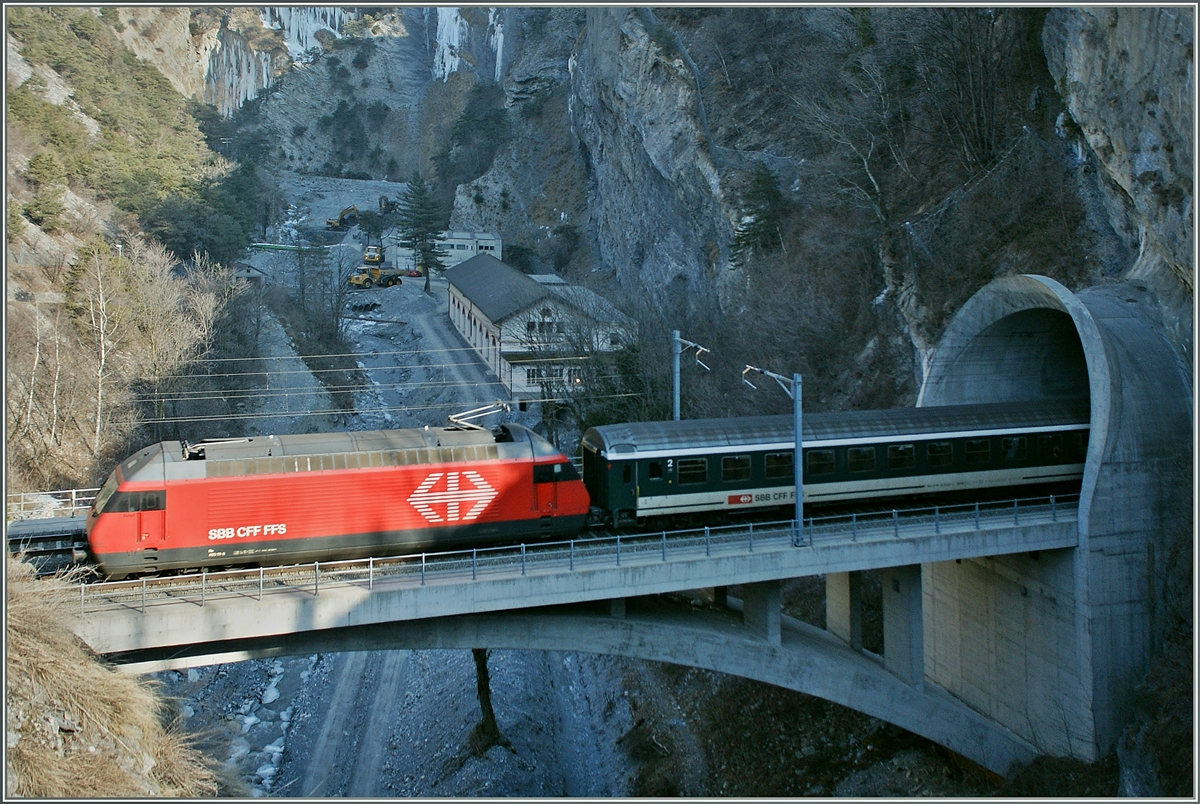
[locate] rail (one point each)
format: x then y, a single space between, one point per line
48 504
574 554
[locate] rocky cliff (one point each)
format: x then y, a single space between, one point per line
631 134
1127 76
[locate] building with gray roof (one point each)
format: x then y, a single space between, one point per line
538 333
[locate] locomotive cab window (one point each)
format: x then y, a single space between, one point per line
655 470
693 470
940 453
861 459
123 502
819 462
901 456
554 473
779 464
978 450
735 468
1014 449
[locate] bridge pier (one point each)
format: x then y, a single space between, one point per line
761 610
903 627
843 607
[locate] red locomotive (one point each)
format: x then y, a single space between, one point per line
271 500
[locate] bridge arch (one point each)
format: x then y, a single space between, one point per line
805 659
1068 633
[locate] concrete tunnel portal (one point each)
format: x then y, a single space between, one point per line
1052 645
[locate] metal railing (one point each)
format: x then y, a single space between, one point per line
48 504
589 552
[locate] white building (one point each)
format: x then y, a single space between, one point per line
457 246
536 332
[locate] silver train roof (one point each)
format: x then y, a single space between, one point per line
841 427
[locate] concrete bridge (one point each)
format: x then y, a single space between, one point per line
1006 636
538 596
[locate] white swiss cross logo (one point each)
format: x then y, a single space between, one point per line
476 491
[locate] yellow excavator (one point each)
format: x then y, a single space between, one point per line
345 219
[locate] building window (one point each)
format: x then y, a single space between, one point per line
693 470
735 468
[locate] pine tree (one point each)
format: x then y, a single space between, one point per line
420 226
760 229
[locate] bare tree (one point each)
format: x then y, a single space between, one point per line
486 732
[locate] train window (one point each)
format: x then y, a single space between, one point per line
1050 446
1078 443
779 464
819 462
1014 448
861 459
978 450
901 456
940 453
735 468
693 470
655 471
626 473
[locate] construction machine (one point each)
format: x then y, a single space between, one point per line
345 219
386 205
368 276
374 255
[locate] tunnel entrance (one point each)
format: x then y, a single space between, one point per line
1025 355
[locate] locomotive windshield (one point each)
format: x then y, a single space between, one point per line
106 491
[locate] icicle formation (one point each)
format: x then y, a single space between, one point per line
236 73
454 36
300 25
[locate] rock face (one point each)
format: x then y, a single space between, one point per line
610 135
656 205
1127 77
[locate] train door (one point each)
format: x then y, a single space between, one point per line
152 519
545 489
